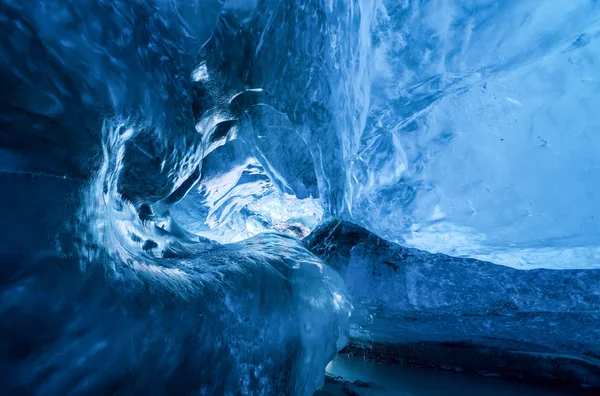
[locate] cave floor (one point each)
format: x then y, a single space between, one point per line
393 379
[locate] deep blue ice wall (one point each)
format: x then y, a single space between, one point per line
104 129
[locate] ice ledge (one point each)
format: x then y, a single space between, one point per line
465 313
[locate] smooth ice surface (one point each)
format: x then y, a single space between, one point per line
407 381
482 133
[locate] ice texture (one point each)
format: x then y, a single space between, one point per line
160 160
433 309
110 119
460 127
263 316
481 135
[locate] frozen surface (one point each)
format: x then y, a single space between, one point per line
407 381
260 317
461 127
109 120
406 300
160 159
481 138
236 199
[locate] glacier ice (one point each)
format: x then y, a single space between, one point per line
113 294
160 161
433 309
480 136
262 316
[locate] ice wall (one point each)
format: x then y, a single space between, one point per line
107 121
461 127
481 135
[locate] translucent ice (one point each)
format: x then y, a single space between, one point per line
152 154
479 140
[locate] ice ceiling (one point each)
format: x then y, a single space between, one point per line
467 128
178 151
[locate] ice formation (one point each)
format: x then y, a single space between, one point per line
464 314
161 160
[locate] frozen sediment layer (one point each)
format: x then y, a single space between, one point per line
433 309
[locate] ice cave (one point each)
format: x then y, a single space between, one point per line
300 197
